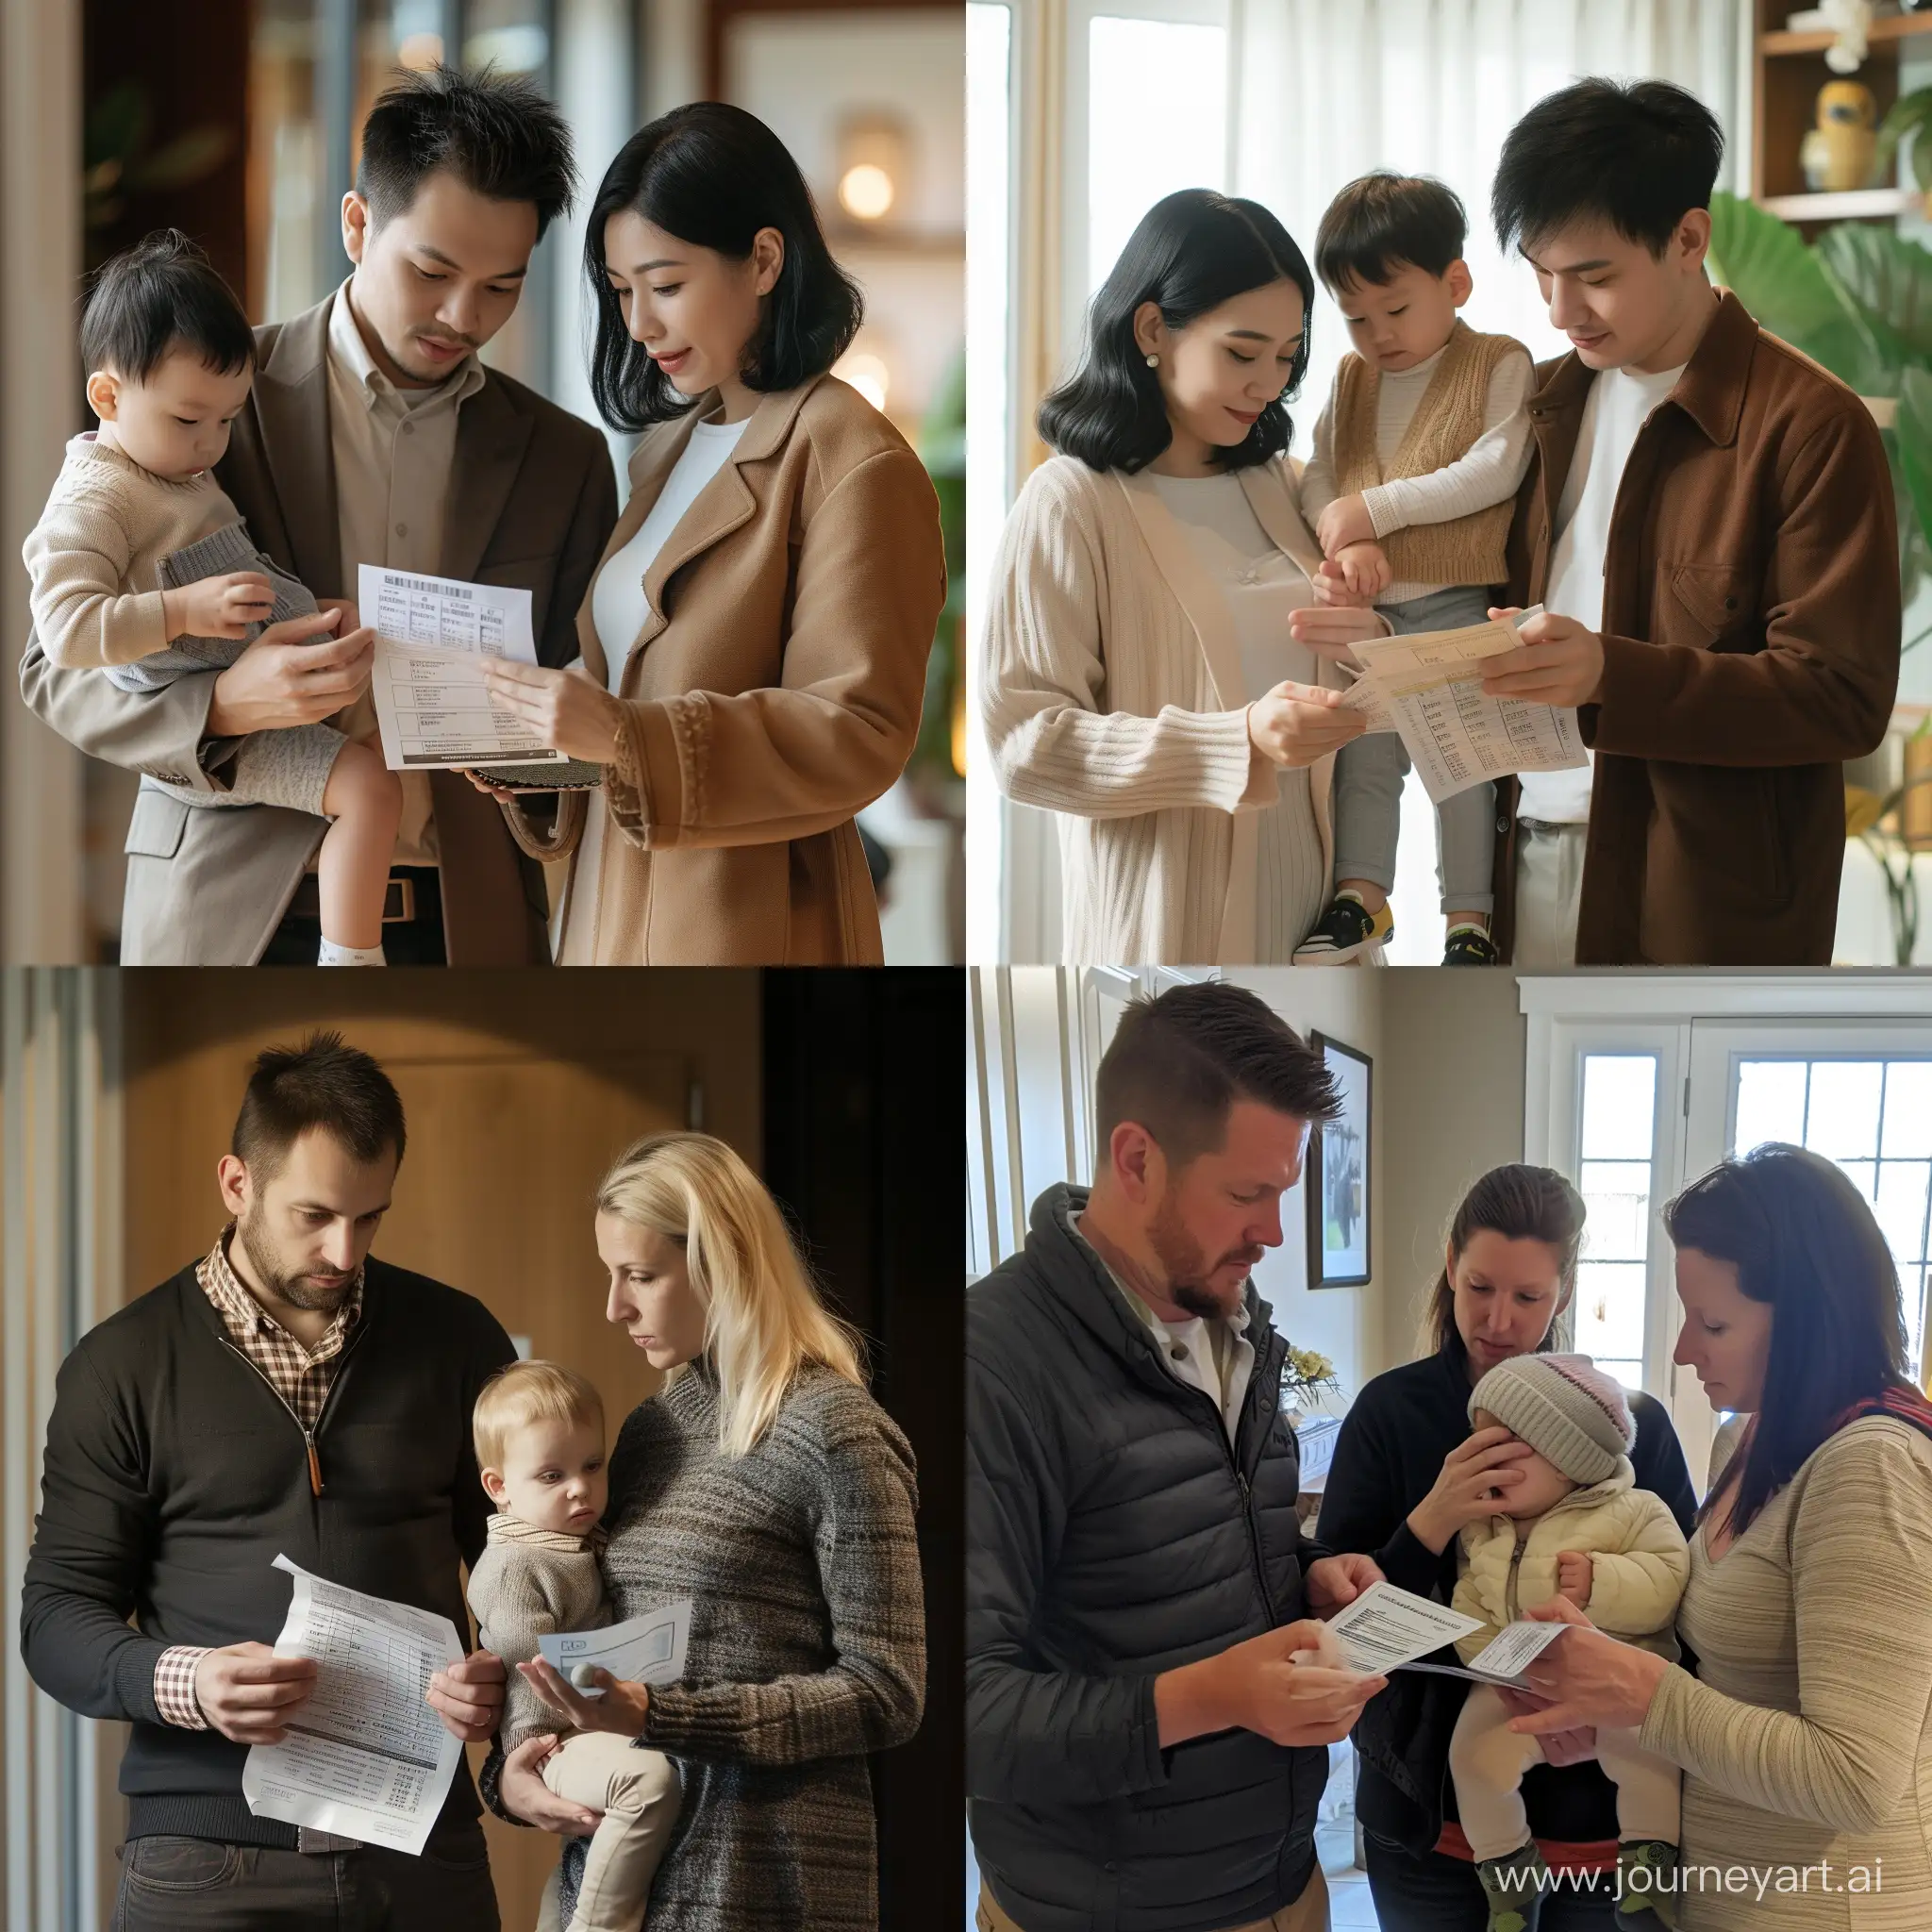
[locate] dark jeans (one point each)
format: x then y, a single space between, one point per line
1437 1893
416 941
197 1885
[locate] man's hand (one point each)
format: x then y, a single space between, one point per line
468 1697
1574 1575
1365 568
249 1695
221 607
1344 521
1257 1686
293 673
1334 1582
1559 662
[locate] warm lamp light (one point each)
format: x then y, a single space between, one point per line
867 373
420 52
866 190
872 161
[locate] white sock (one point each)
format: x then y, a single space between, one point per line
333 955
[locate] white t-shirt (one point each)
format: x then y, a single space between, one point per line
619 609
1261 586
1619 403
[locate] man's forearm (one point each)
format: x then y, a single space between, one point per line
1189 1702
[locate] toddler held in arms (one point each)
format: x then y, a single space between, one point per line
142 569
1576 1526
1418 456
538 1432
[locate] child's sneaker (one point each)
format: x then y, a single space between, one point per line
1514 1888
1347 928
1647 1886
1468 946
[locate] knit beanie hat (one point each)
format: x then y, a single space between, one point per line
1565 1407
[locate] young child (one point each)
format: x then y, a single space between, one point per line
1576 1526
1410 488
142 569
538 1432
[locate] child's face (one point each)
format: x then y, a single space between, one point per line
1543 1484
1396 325
176 422
553 1476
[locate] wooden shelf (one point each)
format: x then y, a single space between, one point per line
1883 36
1848 205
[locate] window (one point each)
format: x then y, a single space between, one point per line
1616 1143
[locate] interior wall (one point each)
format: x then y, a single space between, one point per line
1453 1052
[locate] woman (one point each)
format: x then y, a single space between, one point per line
755 641
1149 671
763 1483
1806 1737
1408 1474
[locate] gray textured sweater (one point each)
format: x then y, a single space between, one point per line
526 1583
808 1647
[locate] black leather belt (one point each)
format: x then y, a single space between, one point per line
415 892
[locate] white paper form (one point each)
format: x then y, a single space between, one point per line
1426 687
1505 1657
431 703
1386 1627
645 1650
366 1757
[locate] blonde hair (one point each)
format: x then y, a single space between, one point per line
527 1392
764 1318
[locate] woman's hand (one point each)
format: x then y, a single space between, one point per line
1297 723
1466 1486
620 1710
567 710
1335 1582
524 1796
1589 1678
1575 1746
1331 630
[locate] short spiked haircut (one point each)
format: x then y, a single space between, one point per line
1381 223
323 1083
1638 154
161 294
497 134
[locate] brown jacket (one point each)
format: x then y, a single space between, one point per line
531 500
1751 644
773 690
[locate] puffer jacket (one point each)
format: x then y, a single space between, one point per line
1641 1564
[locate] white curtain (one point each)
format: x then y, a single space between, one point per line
1323 93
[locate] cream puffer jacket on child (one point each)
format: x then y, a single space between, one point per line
1641 1563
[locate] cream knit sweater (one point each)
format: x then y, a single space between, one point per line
95 556
1112 693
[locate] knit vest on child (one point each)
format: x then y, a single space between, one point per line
1449 418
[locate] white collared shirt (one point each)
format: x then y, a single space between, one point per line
394 453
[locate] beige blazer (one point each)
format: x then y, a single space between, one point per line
773 690
1111 694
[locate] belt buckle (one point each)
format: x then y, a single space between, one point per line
401 895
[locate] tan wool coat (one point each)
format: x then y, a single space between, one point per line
773 691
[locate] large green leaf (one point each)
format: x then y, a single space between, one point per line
1910 114
1891 278
1914 430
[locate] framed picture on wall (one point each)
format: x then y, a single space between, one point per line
1335 1184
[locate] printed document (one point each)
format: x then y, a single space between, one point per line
1427 688
1386 1627
645 1650
432 702
366 1757
1505 1657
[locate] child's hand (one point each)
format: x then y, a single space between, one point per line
1344 521
1331 586
1365 570
1575 1573
218 607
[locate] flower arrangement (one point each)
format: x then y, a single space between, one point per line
1306 1377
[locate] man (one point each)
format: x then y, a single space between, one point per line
1707 521
374 435
288 1394
1143 1749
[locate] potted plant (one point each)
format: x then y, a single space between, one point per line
1306 1378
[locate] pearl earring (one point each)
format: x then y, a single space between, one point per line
1154 361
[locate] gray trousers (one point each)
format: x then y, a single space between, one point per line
1369 772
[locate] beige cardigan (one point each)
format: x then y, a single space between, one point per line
775 688
1807 1732
1111 694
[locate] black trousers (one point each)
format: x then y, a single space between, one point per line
198 1885
1437 1893
416 941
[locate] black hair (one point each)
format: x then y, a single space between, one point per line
1638 155
1802 1239
1178 1064
1521 1204
322 1083
1190 252
497 133
161 294
713 176
1381 223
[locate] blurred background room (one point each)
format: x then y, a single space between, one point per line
236 121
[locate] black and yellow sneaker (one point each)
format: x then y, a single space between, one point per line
1467 945
1513 1889
1647 1886
1346 929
